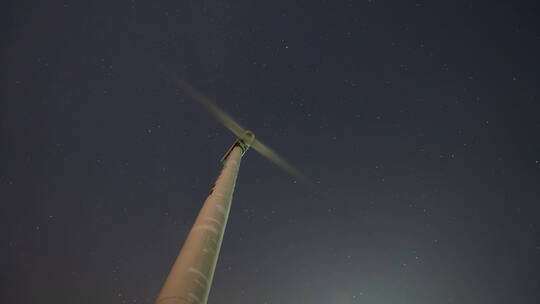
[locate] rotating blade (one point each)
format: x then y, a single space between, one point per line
211 107
279 161
235 127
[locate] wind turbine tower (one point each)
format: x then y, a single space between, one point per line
190 278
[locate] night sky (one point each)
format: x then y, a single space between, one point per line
419 122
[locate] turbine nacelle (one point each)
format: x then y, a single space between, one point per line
244 142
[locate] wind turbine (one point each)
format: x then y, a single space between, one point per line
190 278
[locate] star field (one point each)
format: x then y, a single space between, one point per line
418 122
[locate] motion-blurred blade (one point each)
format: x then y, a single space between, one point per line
279 161
209 105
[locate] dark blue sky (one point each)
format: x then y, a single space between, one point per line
419 120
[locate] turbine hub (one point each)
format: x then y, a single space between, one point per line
248 137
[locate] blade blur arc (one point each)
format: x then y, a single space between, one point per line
237 129
279 161
209 105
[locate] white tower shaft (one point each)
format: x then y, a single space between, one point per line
191 275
